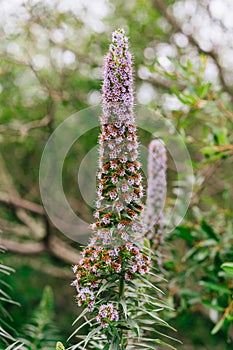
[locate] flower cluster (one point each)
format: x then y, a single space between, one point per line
99 262
118 82
113 249
156 192
106 314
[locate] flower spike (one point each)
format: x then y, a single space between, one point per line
156 193
113 273
113 248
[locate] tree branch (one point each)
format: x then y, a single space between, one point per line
14 228
63 251
23 248
35 124
9 196
56 247
17 202
164 83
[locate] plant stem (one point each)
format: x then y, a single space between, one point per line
121 296
121 287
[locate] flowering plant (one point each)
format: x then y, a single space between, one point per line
156 195
113 275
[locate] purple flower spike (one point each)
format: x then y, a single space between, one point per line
118 81
118 230
120 190
156 193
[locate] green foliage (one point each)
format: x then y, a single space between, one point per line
7 333
40 333
203 244
15 346
205 268
228 268
142 303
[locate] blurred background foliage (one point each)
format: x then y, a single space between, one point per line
51 59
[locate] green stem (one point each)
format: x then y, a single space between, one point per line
122 287
121 296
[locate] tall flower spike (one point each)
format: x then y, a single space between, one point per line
156 193
120 189
113 256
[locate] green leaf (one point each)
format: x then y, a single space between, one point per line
189 65
222 136
207 243
209 230
153 330
208 150
160 342
215 287
134 326
187 99
114 344
148 284
16 346
80 327
91 334
141 345
80 316
146 243
124 306
107 285
145 342
185 233
203 90
218 326
154 316
212 306
228 267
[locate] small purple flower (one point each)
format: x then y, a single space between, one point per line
128 198
128 245
122 172
119 206
124 187
74 268
120 226
114 252
106 220
124 236
134 268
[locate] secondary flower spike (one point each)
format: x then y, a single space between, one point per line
156 193
113 253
